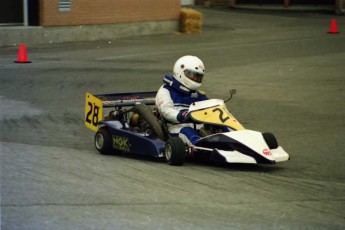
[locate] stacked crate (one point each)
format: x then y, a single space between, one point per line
191 21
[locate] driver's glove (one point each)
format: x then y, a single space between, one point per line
183 116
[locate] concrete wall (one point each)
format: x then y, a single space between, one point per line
91 12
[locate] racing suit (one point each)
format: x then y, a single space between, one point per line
171 99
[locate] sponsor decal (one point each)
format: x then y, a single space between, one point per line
266 152
121 143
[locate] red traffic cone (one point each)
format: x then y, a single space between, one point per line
333 29
22 55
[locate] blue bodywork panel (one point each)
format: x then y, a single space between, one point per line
127 140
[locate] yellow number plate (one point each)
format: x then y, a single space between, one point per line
218 116
93 111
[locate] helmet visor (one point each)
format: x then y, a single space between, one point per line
193 75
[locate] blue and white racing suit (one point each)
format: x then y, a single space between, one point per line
171 98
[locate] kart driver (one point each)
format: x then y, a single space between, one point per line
177 93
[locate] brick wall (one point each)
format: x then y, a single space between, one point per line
88 12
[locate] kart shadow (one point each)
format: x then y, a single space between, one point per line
206 163
238 166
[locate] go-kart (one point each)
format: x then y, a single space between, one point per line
134 125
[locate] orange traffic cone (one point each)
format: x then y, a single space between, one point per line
333 29
22 55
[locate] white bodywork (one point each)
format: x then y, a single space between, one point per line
205 104
255 141
251 139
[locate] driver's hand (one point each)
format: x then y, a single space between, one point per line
183 116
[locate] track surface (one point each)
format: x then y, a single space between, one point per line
289 75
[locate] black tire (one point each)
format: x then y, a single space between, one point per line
145 112
270 140
175 151
103 141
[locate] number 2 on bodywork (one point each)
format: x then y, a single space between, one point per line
217 115
93 111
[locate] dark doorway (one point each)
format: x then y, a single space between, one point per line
33 8
11 12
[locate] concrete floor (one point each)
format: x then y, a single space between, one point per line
289 75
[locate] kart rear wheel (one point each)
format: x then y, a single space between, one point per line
103 141
270 140
175 151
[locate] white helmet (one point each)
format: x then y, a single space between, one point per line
189 71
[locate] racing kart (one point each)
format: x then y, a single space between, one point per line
134 125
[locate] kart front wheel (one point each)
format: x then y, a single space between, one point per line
175 151
270 140
103 141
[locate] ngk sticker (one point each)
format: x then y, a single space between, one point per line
266 152
121 143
